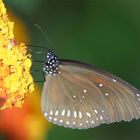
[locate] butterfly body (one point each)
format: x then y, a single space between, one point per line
78 95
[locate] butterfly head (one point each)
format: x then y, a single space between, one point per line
51 63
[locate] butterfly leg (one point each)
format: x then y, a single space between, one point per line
43 49
43 75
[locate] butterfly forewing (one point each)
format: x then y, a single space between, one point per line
83 96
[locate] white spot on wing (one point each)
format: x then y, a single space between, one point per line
51 112
138 95
60 121
85 90
81 124
92 122
114 80
101 117
80 114
106 94
88 114
80 101
103 111
55 119
74 123
68 113
63 113
50 118
75 114
95 111
67 122
46 114
74 96
100 85
56 113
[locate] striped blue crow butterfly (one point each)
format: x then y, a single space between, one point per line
81 96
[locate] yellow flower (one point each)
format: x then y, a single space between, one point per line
15 78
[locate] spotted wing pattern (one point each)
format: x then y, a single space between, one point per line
83 96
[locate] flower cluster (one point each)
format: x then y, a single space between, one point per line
15 78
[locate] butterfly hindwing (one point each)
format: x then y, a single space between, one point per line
83 96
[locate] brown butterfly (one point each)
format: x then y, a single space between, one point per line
78 95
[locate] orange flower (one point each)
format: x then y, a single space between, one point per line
26 123
15 78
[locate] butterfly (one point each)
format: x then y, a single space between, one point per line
81 96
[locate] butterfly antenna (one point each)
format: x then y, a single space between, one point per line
36 46
45 35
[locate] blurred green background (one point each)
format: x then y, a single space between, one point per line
105 33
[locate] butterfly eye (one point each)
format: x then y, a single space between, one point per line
77 95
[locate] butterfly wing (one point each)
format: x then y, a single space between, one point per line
83 96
